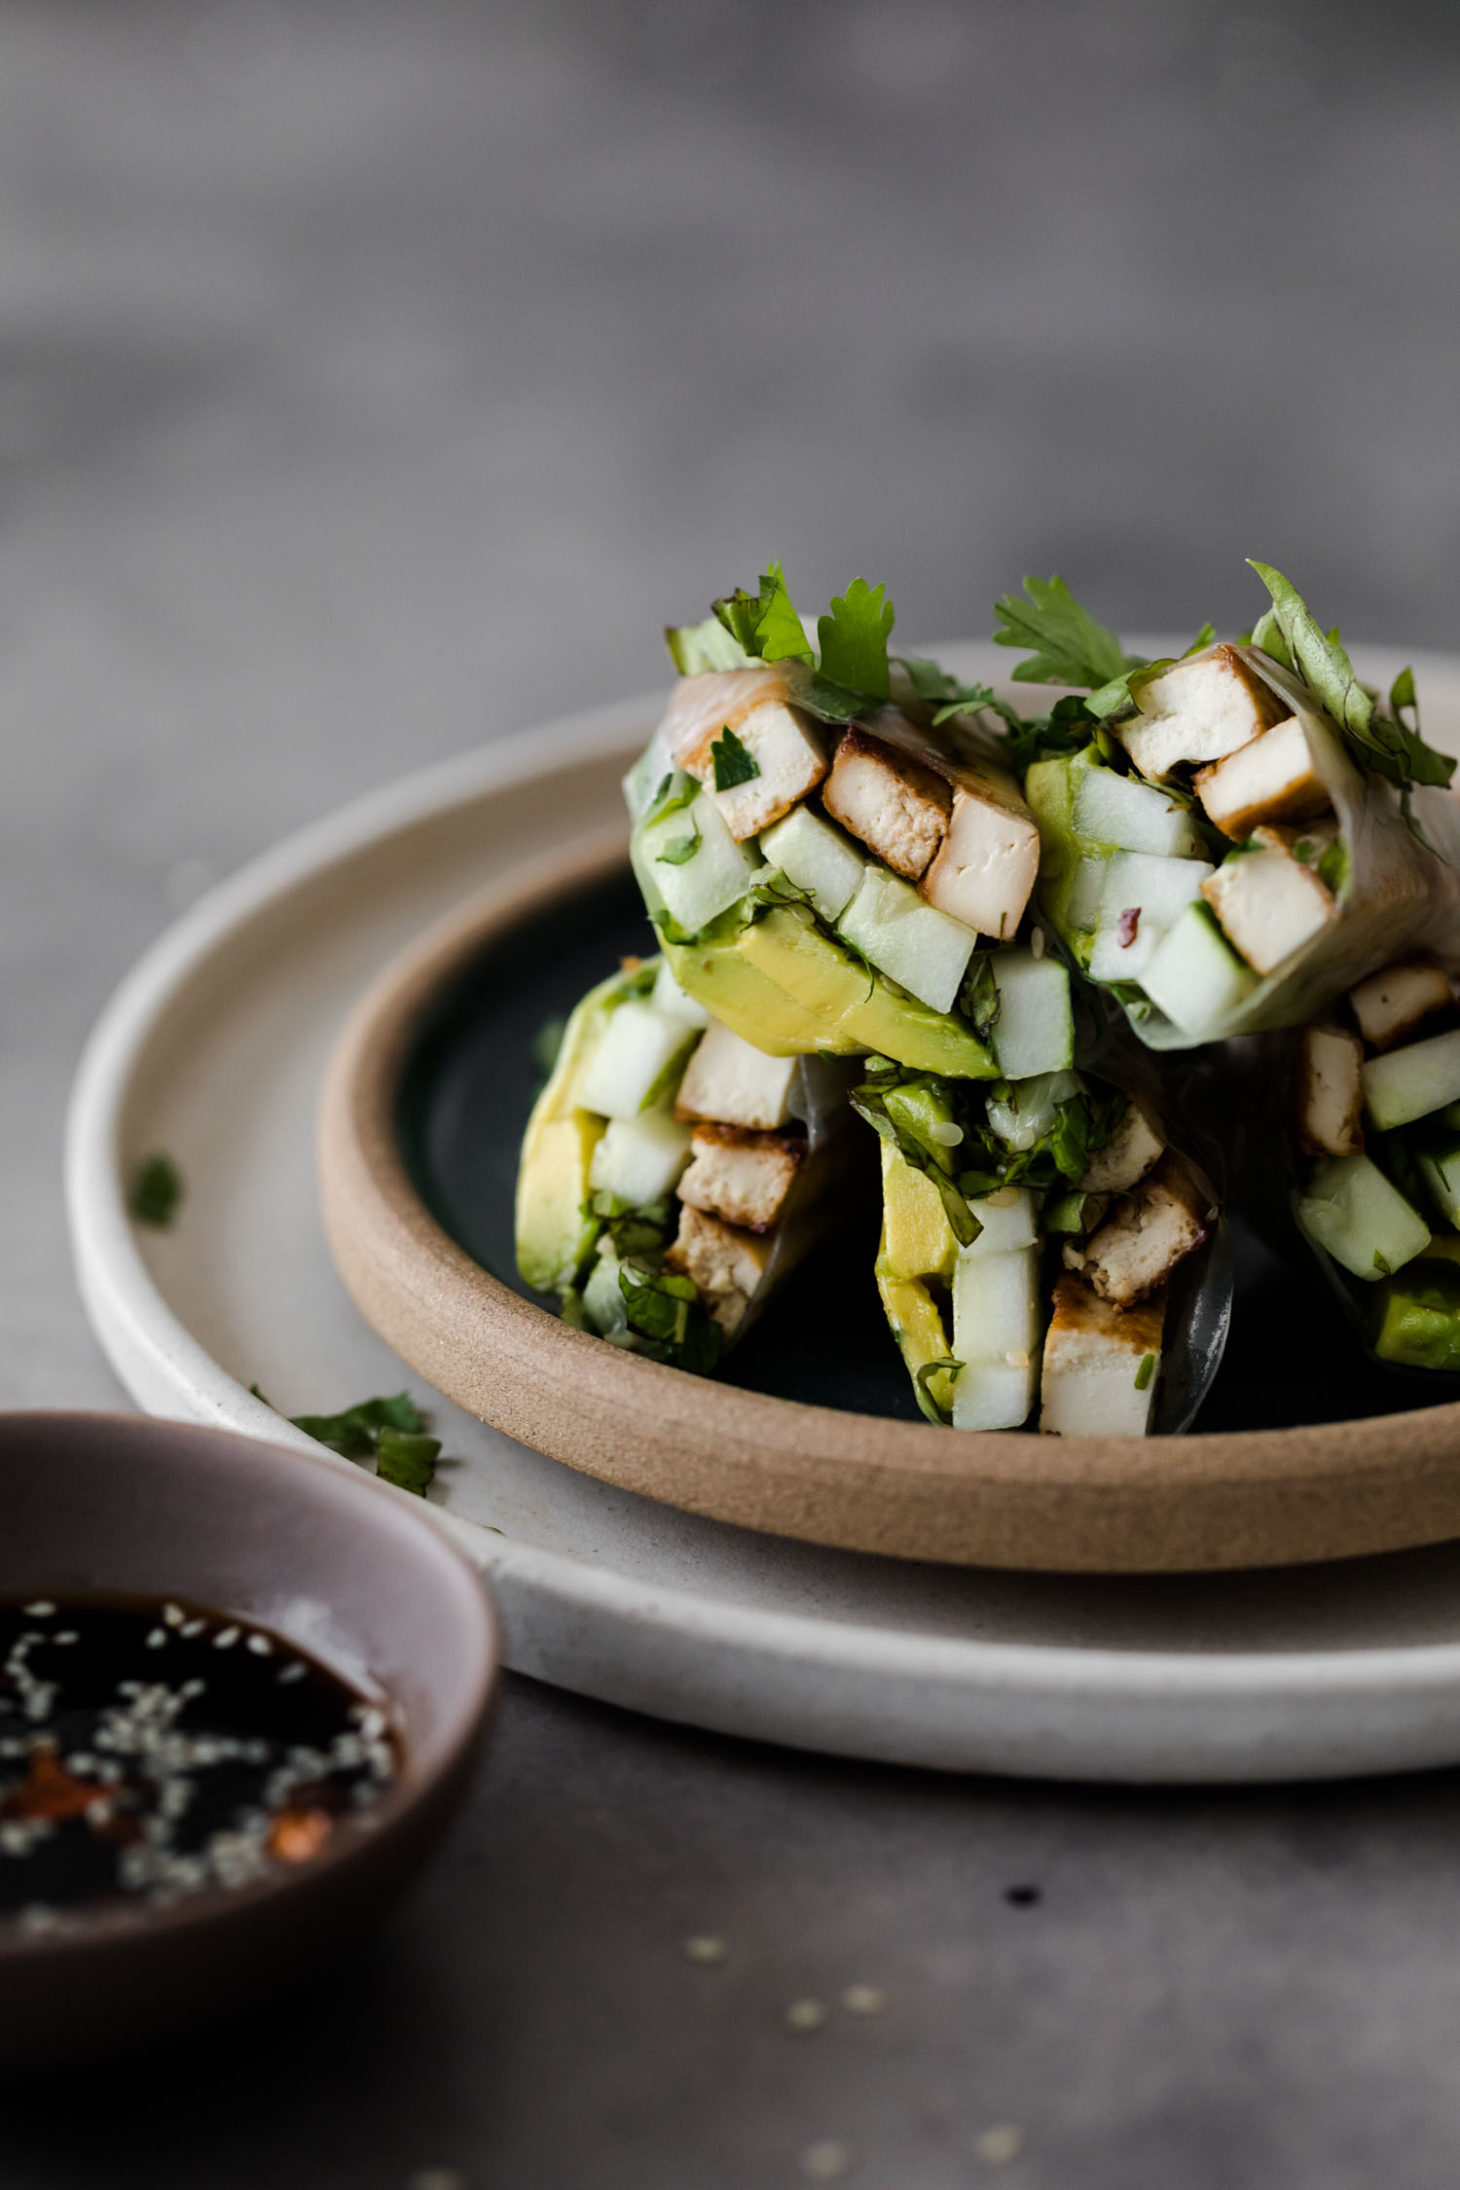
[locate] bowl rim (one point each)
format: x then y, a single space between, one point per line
115 1925
1204 1501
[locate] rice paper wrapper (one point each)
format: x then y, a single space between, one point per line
1399 896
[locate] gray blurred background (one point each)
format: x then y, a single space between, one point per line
378 378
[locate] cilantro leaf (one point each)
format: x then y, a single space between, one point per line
733 764
1386 745
941 691
854 639
674 794
678 850
765 625
978 997
155 1192
353 1432
664 1308
1067 728
1068 646
406 1458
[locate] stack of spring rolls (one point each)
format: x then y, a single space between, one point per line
888 901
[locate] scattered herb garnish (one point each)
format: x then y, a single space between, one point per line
978 997
854 639
678 850
663 1307
733 764
156 1192
674 794
1145 1372
765 625
388 1431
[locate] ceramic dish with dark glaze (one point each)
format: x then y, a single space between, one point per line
350 1573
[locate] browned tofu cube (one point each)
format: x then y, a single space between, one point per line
702 708
1198 711
1151 1231
1132 1150
1330 1091
1269 900
1101 1364
742 1177
725 1264
1390 1005
888 801
1272 779
987 865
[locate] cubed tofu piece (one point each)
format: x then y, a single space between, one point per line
1330 1091
732 1082
1272 779
1198 711
790 760
988 862
725 1264
1268 901
889 802
702 708
1152 1230
1390 1005
1134 1148
742 1177
1101 1365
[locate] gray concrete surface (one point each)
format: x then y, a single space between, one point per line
374 379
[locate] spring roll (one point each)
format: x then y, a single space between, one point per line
1230 841
671 1174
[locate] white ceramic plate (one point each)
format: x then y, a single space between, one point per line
213 1049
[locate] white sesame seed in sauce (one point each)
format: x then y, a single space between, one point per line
226 1638
804 2016
705 1948
42 1609
827 2161
864 2000
260 1646
173 1615
999 2146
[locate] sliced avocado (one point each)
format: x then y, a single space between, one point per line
916 1322
1417 1314
554 1238
1049 789
917 1239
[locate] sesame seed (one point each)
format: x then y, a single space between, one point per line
173 1615
996 2147
226 1638
42 1609
827 2161
190 1628
290 1673
157 1638
864 2000
704 1947
805 2015
260 1646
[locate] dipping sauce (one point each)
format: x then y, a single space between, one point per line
151 1750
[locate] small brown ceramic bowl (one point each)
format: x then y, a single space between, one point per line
346 1569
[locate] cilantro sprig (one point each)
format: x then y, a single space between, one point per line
155 1192
389 1431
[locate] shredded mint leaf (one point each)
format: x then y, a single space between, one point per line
1145 1372
671 930
664 1308
854 639
1067 728
765 624
155 1192
1386 745
406 1459
733 764
922 1390
634 1231
1067 645
353 1432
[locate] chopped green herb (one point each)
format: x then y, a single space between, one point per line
978 997
870 1102
1145 1372
765 624
663 1307
406 1458
1068 645
353 1432
854 639
733 764
922 1391
674 794
1384 1267
156 1192
642 1231
1335 867
678 850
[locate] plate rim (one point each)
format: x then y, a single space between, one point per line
169 1373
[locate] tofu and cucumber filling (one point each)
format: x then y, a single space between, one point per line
670 1172
1029 1233
1376 1127
1231 839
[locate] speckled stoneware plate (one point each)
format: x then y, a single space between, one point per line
215 1049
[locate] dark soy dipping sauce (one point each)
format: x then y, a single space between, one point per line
151 1750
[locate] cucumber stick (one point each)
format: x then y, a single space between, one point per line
1360 1218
